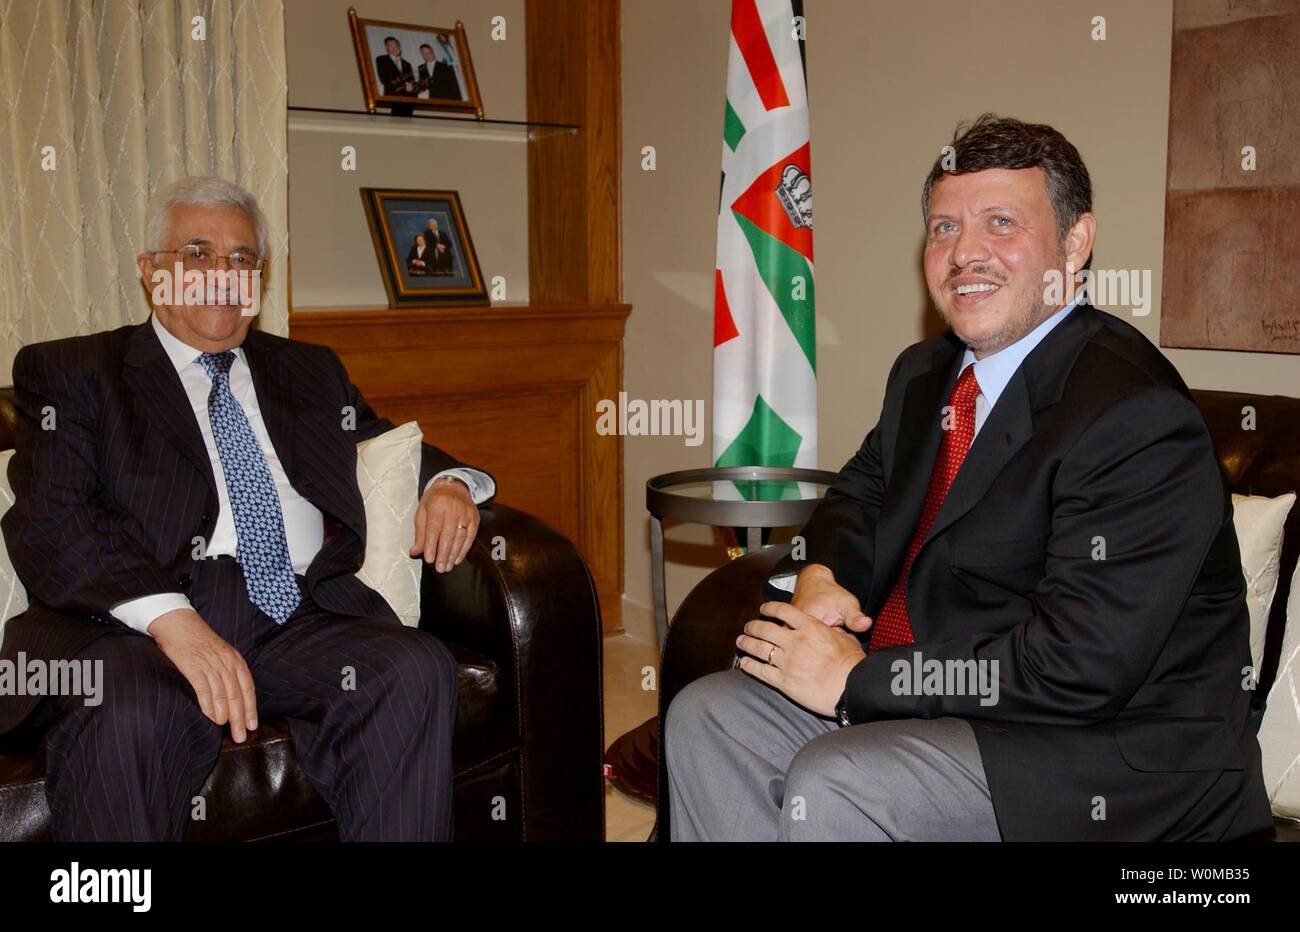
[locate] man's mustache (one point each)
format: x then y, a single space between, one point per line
977 273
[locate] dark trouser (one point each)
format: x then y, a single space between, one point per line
371 707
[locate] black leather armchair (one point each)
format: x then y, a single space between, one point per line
527 750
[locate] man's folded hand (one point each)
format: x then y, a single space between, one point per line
817 594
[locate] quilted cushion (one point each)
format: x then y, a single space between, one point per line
1279 733
388 472
1258 522
13 597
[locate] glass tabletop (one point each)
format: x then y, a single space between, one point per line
749 490
739 496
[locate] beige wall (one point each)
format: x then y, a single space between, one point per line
887 84
333 260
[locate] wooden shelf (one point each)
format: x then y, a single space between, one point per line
381 123
513 386
428 328
465 326
505 310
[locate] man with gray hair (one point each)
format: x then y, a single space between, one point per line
193 522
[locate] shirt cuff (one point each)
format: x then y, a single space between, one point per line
140 613
785 582
481 485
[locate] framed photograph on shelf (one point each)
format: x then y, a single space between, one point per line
406 66
426 256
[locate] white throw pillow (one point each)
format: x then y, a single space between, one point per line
1258 522
388 472
13 597
1279 733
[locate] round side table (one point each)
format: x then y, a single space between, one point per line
750 497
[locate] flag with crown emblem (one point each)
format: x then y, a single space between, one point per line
764 346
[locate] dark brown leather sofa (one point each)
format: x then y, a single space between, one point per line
526 632
1263 461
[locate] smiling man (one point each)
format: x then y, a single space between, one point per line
188 516
1022 613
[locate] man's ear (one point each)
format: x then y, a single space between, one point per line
1078 242
144 263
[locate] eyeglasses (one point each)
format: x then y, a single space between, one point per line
199 258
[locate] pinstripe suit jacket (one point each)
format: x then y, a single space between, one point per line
109 501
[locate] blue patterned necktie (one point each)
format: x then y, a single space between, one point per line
262 551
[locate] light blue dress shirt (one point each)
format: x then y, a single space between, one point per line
994 371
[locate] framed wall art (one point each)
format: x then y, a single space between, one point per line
423 244
406 66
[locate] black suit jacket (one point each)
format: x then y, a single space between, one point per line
391 82
428 258
108 502
438 261
1121 711
442 83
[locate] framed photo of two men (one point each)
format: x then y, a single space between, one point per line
406 66
425 252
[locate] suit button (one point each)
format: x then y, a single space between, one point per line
184 579
207 518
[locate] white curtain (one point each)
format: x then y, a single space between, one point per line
103 101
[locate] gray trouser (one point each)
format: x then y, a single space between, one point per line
747 764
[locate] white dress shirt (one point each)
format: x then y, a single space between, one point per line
993 372
304 525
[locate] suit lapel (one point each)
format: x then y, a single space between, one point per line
285 399
156 389
915 451
1037 383
274 399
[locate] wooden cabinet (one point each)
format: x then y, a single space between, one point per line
513 388
510 389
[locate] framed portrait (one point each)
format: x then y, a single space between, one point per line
407 66
424 248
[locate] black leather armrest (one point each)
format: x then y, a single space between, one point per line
702 637
534 612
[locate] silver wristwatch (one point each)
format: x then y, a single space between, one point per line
842 710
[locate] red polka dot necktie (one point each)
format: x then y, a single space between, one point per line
892 626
